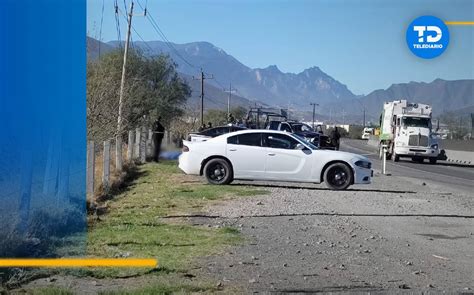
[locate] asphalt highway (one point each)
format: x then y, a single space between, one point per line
460 177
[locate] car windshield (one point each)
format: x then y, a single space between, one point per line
307 143
301 128
416 122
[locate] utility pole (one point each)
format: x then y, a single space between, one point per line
288 111
118 139
202 78
364 118
314 110
230 91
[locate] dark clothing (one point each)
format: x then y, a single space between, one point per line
158 134
335 136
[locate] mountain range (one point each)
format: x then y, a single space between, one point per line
293 90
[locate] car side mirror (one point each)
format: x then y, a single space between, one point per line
307 151
300 146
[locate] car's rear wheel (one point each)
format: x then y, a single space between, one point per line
338 176
218 171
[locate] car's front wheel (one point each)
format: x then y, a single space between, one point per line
218 171
338 176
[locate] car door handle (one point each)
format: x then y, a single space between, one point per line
271 154
232 150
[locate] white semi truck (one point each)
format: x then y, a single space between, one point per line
406 131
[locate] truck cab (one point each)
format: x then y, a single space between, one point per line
407 132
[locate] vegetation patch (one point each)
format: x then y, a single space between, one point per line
133 226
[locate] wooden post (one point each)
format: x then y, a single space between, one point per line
118 153
149 144
106 166
143 145
136 147
166 138
130 146
90 167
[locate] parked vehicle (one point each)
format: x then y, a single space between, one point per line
212 132
367 132
259 118
303 130
272 155
406 130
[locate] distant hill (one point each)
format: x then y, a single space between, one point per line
268 85
95 47
215 97
442 95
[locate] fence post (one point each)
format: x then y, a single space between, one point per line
143 145
149 144
118 153
136 148
106 165
90 167
167 138
130 146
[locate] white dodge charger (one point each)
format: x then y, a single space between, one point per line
272 155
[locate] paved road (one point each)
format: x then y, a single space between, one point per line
456 176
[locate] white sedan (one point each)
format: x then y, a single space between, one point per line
272 155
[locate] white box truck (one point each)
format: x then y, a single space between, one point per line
406 130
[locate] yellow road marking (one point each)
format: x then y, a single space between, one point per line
79 262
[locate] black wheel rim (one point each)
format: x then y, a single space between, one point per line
217 172
338 177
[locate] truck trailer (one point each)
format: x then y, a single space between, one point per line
406 131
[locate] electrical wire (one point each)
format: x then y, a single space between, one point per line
163 36
136 33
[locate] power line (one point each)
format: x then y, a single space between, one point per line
136 33
157 28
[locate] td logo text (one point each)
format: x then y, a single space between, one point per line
427 37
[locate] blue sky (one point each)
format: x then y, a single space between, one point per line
360 43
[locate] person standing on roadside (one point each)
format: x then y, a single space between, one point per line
335 137
158 134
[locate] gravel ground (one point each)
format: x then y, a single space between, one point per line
397 234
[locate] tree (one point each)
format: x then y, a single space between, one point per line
152 88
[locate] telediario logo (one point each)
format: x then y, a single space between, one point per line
427 36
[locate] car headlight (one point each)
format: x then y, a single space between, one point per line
363 164
434 146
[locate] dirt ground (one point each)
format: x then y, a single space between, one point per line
401 233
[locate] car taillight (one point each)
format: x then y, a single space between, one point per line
185 149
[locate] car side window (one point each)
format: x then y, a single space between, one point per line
209 132
221 130
233 139
251 139
280 141
285 127
273 125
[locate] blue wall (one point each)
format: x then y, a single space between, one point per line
42 115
